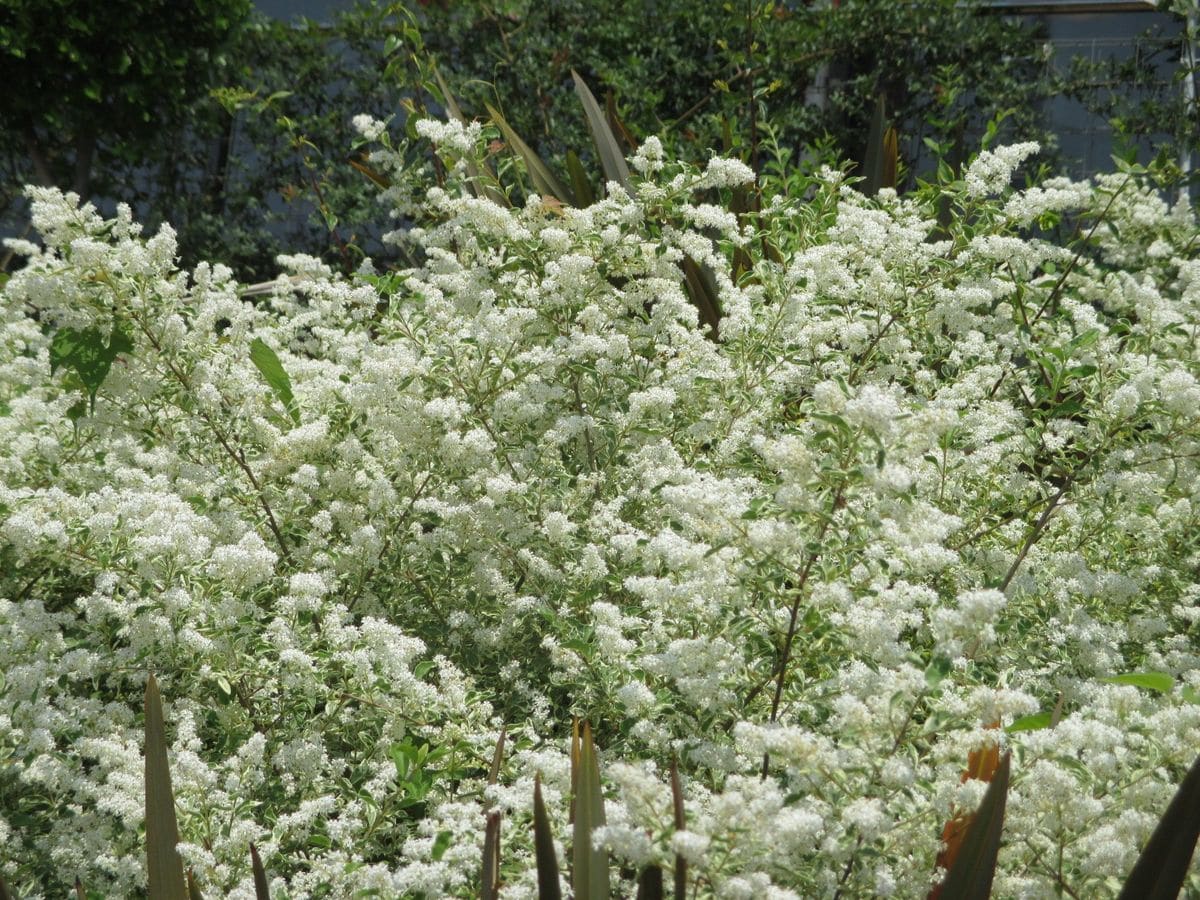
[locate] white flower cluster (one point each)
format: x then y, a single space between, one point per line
913 488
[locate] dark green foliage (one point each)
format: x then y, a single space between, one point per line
543 847
1162 869
261 889
267 166
89 356
102 79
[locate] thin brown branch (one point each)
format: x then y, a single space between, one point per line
1035 532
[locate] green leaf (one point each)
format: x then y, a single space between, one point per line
702 288
267 362
1190 694
441 843
590 875
543 179
481 177
543 847
970 878
1035 722
1162 868
85 352
937 670
164 868
612 160
579 180
1153 681
261 890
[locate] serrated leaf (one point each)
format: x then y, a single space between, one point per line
267 362
544 181
1153 681
612 160
971 875
590 873
1035 722
262 890
86 352
164 868
1162 868
543 847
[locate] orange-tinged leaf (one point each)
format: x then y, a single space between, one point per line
982 764
971 875
193 888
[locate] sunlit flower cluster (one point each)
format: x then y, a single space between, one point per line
922 483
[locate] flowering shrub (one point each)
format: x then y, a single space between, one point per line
925 480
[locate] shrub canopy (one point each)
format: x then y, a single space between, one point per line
928 482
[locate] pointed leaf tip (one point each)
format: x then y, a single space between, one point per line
590 874
612 160
164 868
262 890
267 362
545 857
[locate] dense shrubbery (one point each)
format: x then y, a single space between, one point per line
262 168
927 479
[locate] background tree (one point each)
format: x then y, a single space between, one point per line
84 78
